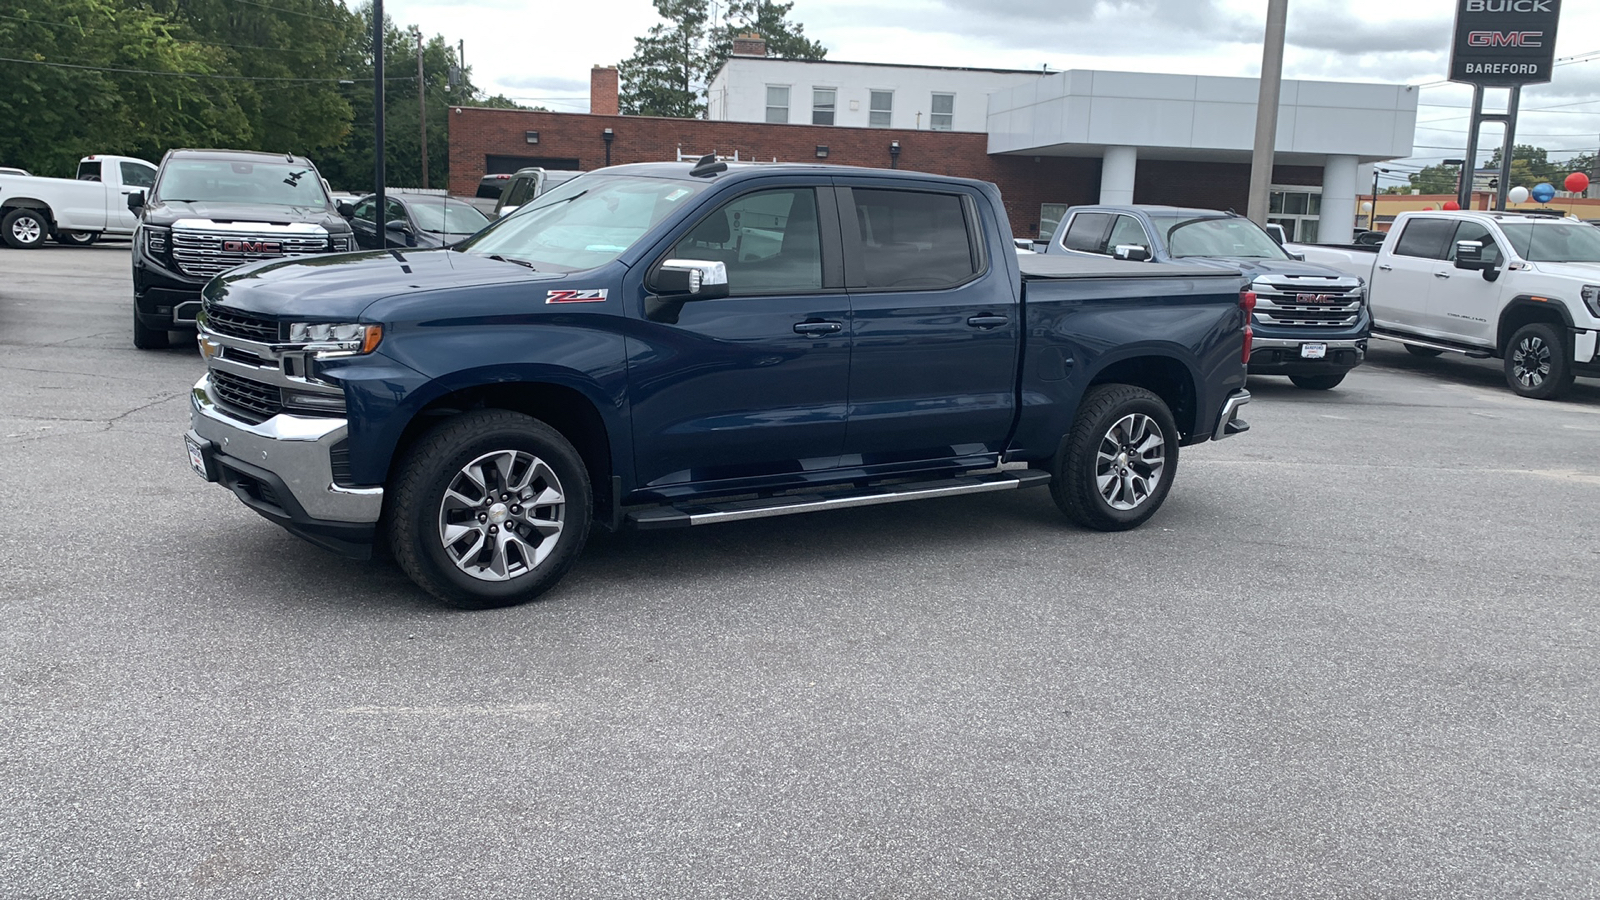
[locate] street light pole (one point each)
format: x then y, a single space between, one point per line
1267 110
377 117
422 106
1372 214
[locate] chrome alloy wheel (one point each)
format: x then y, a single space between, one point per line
1131 461
27 229
1530 362
502 515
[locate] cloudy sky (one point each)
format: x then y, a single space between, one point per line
541 52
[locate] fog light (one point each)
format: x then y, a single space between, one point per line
316 401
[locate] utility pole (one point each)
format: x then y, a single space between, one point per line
1267 110
422 106
377 115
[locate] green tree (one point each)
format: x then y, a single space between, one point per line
1440 179
671 64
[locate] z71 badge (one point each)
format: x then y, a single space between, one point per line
594 296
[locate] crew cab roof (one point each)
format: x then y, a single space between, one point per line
240 156
1152 210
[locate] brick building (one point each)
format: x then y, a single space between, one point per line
1035 185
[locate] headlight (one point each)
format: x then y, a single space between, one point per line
155 240
342 242
334 339
1591 299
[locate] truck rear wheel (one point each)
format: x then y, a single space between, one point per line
77 238
1114 470
24 229
1317 382
147 338
489 509
1537 363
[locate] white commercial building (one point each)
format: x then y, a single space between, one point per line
1135 124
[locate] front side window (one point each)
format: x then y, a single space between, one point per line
1555 242
1475 231
1127 231
136 175
584 223
366 210
769 240
1086 232
777 104
880 109
823 102
1425 238
942 114
233 181
915 239
1216 236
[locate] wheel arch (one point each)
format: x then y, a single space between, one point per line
9 203
1527 309
1166 376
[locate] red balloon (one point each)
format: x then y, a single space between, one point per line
1427 209
1450 205
1577 182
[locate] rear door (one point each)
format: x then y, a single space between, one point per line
935 322
753 385
1407 267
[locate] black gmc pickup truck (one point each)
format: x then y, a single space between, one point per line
667 345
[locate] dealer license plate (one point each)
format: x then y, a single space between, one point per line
1313 351
197 457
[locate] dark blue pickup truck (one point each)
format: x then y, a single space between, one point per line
667 345
1311 321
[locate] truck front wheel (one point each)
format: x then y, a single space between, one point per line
489 509
1114 470
24 229
77 238
1537 363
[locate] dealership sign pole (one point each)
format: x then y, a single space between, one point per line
1501 43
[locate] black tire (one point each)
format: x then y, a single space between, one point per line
145 338
1077 468
76 238
417 515
1317 382
1538 363
25 229
1414 350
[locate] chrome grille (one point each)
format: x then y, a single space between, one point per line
203 254
251 400
241 325
1308 309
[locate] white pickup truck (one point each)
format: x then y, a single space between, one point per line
73 210
1513 286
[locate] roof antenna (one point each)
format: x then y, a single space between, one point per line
707 166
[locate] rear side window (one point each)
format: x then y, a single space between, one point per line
915 239
1425 238
1087 232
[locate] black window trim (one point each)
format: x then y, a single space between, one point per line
855 265
828 237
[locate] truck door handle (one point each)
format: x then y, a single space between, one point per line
1441 274
990 321
1387 268
816 328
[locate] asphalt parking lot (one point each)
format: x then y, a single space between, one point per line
1354 656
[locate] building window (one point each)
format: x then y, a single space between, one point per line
822 104
943 117
880 109
1297 209
777 104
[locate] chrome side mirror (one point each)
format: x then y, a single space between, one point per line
1131 252
692 279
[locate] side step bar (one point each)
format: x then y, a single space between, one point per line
790 504
1474 352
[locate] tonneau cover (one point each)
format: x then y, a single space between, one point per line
1043 266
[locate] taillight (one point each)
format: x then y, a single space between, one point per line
1247 302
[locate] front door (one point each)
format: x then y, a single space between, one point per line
1463 303
936 325
753 385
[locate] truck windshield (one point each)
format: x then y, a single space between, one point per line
1555 242
231 181
1216 236
584 223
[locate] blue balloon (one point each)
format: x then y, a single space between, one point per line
1544 193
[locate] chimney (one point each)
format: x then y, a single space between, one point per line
603 91
749 45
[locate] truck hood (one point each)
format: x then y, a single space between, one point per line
339 286
164 213
1588 273
1254 267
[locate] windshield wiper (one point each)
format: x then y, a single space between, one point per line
512 259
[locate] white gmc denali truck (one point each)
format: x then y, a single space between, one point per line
1524 288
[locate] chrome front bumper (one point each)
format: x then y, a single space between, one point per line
295 449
